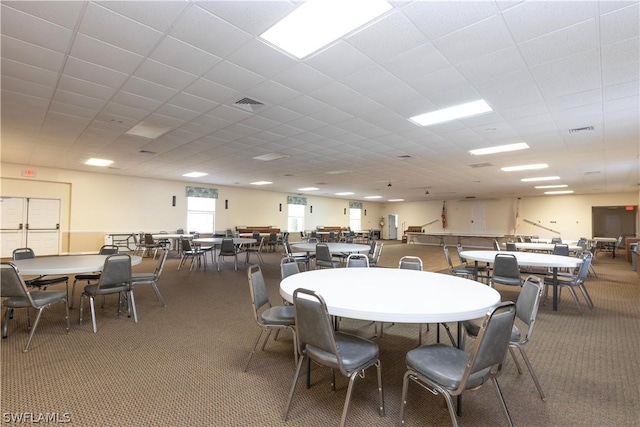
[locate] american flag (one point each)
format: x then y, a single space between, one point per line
444 215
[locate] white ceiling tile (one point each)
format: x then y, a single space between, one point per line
79 100
94 73
37 56
191 102
339 60
564 42
577 73
28 73
438 81
370 80
205 31
503 61
213 92
388 37
479 39
252 16
159 18
136 101
436 19
164 75
532 19
33 30
231 75
23 87
620 25
424 59
272 92
73 110
184 57
61 13
148 89
510 90
99 53
304 105
117 30
72 84
620 90
260 58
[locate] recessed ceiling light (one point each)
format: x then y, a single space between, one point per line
373 197
148 130
396 200
541 178
551 186
98 162
345 193
499 149
271 156
195 174
525 167
261 183
338 172
308 189
559 192
452 113
317 23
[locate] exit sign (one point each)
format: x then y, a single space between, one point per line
629 208
28 172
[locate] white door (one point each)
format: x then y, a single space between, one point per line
392 221
477 219
612 226
12 232
43 226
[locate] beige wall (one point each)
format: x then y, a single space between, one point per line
95 204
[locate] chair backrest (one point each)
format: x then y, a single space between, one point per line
556 240
273 237
357 260
409 262
255 234
109 250
496 245
12 284
491 344
372 247
322 252
511 246
258 291
447 256
186 245
227 247
314 326
378 252
160 264
288 267
506 265
528 303
312 240
23 253
561 249
527 239
116 271
180 231
148 239
459 249
583 270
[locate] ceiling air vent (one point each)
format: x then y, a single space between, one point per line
405 157
150 153
584 129
480 165
248 104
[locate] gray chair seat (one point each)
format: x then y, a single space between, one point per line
142 277
445 365
472 327
40 298
279 315
353 350
106 289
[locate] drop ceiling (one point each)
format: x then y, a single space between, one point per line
77 76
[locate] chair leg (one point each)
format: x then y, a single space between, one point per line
5 325
533 374
157 291
33 328
293 386
132 304
93 314
502 402
585 294
347 400
253 349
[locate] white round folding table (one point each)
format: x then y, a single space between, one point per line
64 264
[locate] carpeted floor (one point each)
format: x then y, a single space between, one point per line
181 365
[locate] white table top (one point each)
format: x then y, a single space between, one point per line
542 240
529 259
218 240
544 246
604 239
334 247
395 295
171 236
64 264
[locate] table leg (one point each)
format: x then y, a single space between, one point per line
555 288
459 399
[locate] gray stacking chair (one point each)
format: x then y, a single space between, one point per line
41 282
459 270
16 295
114 279
357 260
408 262
511 247
561 249
505 270
526 311
481 271
228 248
255 250
449 371
152 278
91 277
289 266
268 317
349 354
375 259
324 258
193 252
575 281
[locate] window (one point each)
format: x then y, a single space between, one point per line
355 219
201 214
296 218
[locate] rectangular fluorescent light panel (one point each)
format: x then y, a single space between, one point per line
541 178
317 23
499 149
559 192
540 187
98 162
346 193
396 200
261 183
373 197
525 167
452 113
271 156
148 130
195 174
308 189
